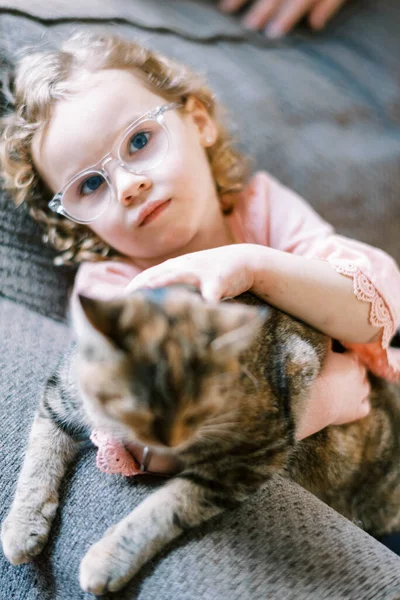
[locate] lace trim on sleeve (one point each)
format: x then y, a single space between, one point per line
112 457
364 289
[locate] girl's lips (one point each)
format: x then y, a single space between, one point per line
151 211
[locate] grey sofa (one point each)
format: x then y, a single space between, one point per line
320 112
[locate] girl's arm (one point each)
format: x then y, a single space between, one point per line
294 260
311 290
370 276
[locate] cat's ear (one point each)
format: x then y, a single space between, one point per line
101 314
237 327
96 320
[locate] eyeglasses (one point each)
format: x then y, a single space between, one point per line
141 147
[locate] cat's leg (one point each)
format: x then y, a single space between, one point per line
26 528
180 505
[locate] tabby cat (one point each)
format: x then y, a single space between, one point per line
222 388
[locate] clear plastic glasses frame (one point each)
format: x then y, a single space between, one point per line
62 204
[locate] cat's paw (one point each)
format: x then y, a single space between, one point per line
108 565
23 535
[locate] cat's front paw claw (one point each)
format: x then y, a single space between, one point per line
106 567
23 538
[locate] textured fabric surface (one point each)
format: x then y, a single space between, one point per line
281 543
198 20
329 106
26 270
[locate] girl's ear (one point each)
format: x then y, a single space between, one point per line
203 121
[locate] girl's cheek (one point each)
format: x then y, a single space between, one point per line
106 225
172 167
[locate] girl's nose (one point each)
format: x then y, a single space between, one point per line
130 187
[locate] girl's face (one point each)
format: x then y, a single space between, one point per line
83 128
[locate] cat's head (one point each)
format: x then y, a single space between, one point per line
153 366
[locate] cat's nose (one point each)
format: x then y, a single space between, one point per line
161 431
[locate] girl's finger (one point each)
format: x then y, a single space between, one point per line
211 291
147 279
169 279
261 12
323 11
291 12
135 284
231 5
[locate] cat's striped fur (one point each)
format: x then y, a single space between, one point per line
222 387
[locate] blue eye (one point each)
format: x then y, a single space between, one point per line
91 184
138 141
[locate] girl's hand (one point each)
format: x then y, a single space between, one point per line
339 395
278 17
218 273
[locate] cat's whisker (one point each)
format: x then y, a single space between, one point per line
227 418
250 375
221 425
225 375
222 438
220 432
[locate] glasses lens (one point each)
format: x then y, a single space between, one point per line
144 146
87 196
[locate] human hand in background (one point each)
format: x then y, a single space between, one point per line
278 17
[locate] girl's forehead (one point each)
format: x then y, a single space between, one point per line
83 127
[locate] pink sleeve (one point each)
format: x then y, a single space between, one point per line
103 280
295 227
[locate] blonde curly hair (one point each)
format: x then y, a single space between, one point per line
43 78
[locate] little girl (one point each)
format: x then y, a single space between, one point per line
119 152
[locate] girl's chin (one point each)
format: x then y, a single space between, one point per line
151 253
162 246
154 243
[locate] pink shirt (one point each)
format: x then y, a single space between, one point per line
269 214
